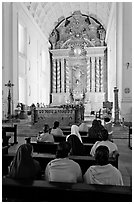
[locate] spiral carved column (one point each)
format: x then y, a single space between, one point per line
54 76
93 74
67 77
58 76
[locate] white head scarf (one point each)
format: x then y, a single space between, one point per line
75 131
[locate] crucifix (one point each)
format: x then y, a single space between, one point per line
9 85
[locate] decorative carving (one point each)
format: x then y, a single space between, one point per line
127 90
77 30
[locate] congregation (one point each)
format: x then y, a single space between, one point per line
64 169
66 101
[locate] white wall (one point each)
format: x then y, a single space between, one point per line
35 78
119 42
126 102
111 55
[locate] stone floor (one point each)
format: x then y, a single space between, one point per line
120 137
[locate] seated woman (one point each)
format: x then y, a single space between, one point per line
75 131
63 169
56 131
77 148
95 130
23 165
45 136
113 150
103 173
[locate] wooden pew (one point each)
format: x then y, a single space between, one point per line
44 147
83 161
5 150
43 191
68 132
6 129
85 139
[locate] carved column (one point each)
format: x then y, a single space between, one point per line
93 74
67 77
88 75
58 76
54 76
97 74
101 75
116 108
62 75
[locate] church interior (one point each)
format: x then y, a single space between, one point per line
69 62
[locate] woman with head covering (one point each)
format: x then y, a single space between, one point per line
75 131
23 165
77 147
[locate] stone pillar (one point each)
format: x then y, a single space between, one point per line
93 74
54 76
62 75
116 108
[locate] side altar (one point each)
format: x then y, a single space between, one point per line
65 114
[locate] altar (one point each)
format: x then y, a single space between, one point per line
67 115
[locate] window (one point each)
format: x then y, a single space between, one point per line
22 39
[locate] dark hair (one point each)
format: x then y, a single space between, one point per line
95 123
46 128
56 124
63 148
77 147
102 155
104 134
99 122
107 119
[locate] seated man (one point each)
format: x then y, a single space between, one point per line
108 127
103 173
45 136
113 149
63 169
56 131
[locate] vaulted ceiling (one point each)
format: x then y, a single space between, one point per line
48 14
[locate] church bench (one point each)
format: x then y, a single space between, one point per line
83 161
6 129
85 139
68 132
45 147
44 191
5 150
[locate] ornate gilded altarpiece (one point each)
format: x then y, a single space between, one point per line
78 62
